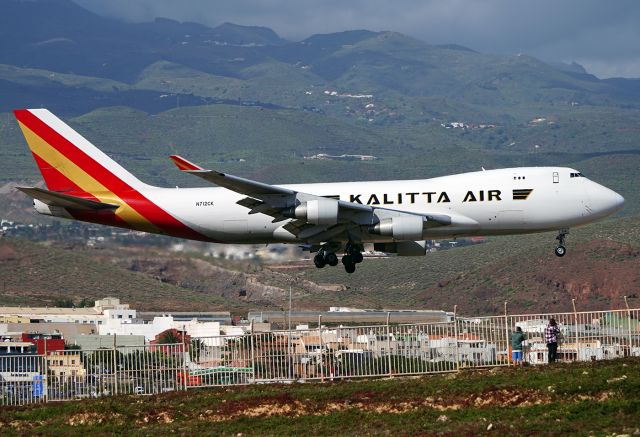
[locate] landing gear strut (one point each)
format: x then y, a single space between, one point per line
561 250
352 256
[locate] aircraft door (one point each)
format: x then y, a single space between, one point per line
556 177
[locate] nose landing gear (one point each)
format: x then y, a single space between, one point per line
560 249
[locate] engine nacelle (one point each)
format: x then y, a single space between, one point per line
318 212
403 248
404 227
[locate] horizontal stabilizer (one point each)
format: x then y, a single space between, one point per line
65 200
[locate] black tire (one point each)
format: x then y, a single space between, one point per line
318 260
357 257
347 260
560 251
350 268
331 259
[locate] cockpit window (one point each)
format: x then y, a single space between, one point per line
576 175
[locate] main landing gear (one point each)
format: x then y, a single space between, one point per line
561 250
352 256
325 257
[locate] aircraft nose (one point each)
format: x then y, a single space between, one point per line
605 201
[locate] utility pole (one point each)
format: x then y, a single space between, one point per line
289 308
289 349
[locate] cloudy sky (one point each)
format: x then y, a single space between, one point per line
603 36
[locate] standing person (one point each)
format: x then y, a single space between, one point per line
551 333
517 339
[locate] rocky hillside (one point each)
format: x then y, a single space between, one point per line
602 265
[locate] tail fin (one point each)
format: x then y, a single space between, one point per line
67 161
74 168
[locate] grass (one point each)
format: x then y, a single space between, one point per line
598 398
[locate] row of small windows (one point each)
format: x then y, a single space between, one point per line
518 177
576 175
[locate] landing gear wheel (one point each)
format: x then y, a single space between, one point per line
319 261
357 257
349 264
561 250
331 259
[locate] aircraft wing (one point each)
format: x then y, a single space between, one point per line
53 198
282 204
233 183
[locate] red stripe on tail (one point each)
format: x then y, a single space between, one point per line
120 188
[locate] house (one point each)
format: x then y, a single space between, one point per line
45 343
66 364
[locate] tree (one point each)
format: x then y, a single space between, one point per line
169 336
63 303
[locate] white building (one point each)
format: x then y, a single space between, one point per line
204 330
104 309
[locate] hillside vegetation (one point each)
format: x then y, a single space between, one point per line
242 100
598 398
232 93
601 266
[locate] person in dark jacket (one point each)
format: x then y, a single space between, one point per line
517 340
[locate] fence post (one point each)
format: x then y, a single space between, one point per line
252 353
389 345
113 364
289 353
455 333
321 347
575 328
185 356
507 336
46 373
626 304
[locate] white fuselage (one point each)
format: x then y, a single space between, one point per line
479 203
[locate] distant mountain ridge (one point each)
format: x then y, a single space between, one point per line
61 36
430 109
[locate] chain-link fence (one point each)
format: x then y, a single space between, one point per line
320 353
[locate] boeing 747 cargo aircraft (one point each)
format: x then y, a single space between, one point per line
329 219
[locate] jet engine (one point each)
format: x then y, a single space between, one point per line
317 212
404 227
403 248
